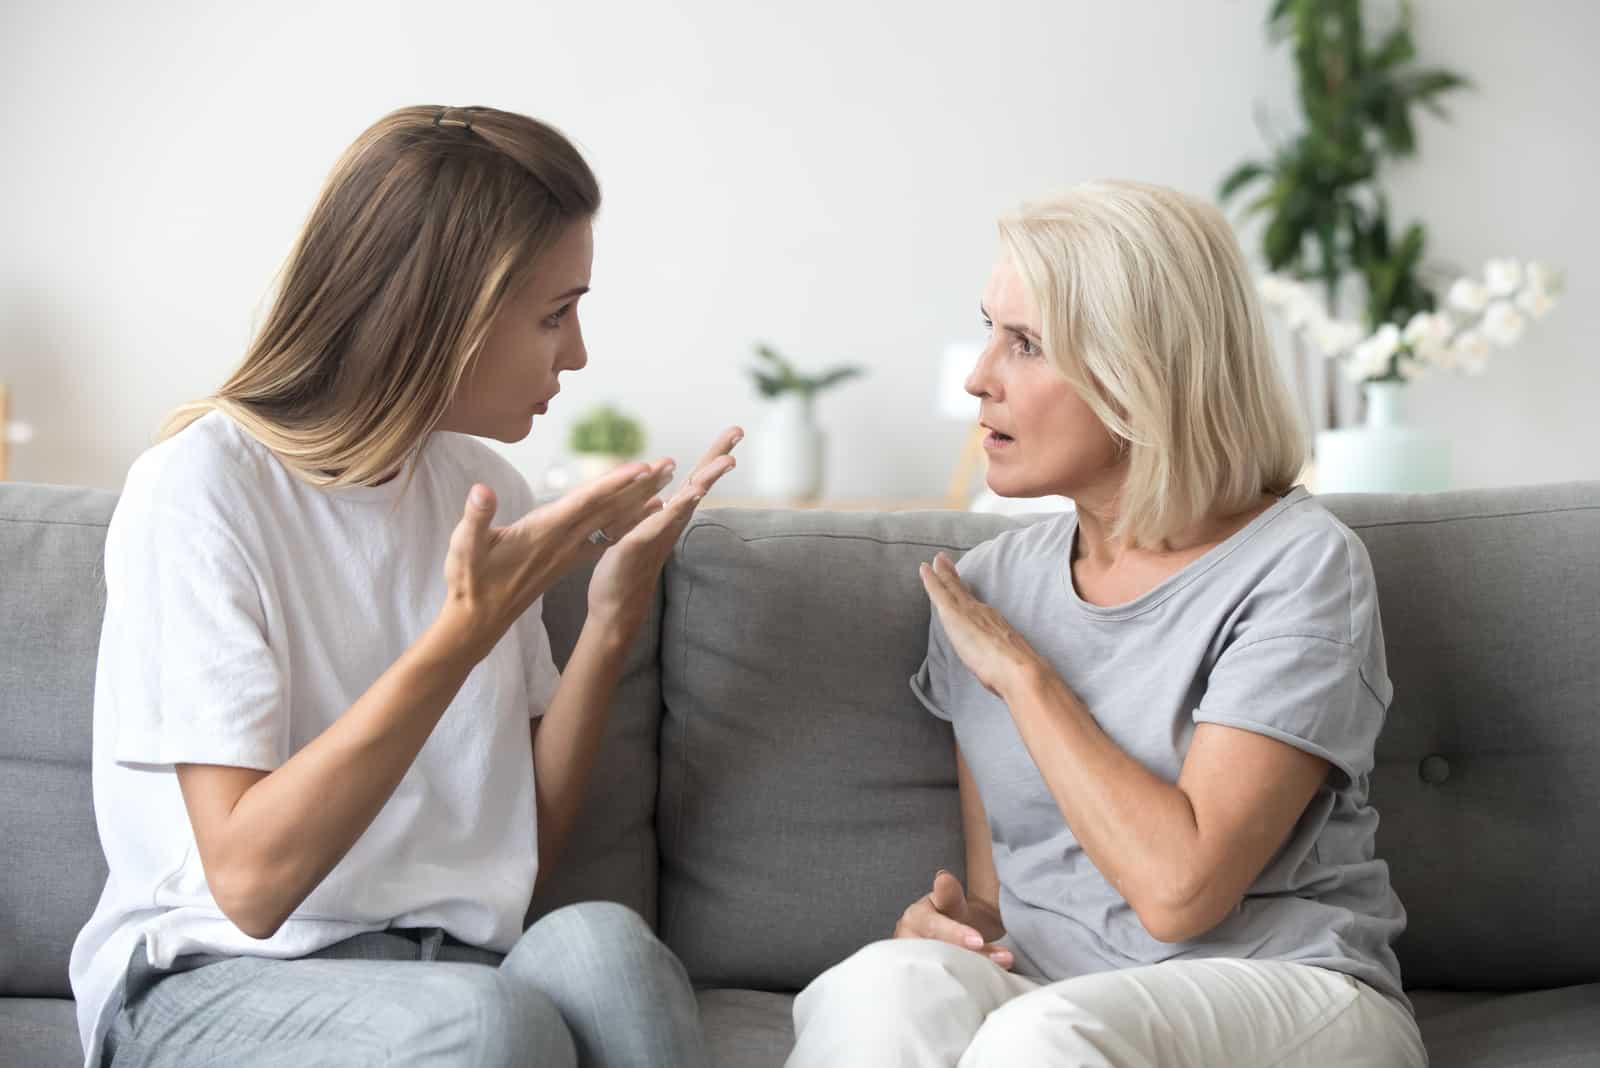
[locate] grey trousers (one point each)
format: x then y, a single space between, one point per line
587 985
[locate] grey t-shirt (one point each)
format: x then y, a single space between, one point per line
1275 631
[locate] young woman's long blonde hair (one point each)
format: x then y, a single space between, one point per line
425 225
1148 309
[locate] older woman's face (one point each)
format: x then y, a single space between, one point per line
1042 438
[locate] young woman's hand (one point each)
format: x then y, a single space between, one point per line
979 635
625 578
494 574
944 914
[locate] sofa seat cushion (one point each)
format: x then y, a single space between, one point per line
39 1033
747 1028
1543 1029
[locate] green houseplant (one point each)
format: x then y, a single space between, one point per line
1325 216
603 438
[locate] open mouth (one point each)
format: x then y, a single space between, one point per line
995 439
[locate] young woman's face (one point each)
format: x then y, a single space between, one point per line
534 337
1042 437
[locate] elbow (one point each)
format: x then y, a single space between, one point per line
244 897
1180 913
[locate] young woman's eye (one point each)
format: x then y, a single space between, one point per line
553 320
988 327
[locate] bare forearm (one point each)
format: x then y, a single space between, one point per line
292 827
1138 829
567 739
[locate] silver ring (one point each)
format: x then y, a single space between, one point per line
600 537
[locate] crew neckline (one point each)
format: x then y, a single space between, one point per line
1183 577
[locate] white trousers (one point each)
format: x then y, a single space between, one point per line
918 1003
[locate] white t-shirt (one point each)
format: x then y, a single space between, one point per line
246 610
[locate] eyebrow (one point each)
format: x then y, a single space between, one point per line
1020 331
575 291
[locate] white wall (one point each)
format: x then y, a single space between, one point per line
822 175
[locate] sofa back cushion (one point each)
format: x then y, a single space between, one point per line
52 595
1485 779
610 853
806 798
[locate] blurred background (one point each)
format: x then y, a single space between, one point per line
823 177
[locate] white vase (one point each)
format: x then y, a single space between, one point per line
591 465
1385 454
788 456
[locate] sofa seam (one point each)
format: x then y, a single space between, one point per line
836 537
52 522
1376 524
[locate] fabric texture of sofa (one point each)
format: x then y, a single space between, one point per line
771 795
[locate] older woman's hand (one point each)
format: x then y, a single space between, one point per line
994 652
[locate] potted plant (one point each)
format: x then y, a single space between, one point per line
603 438
1327 235
789 458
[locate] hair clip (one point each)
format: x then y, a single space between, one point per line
440 120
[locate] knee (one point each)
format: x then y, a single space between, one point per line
475 1015
593 944
890 975
595 926
1025 1028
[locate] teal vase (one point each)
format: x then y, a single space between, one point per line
1385 454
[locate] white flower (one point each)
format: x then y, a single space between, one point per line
1502 277
1302 310
1542 277
1426 335
1330 337
1471 351
1468 295
1275 290
1412 369
1502 323
1535 302
1370 359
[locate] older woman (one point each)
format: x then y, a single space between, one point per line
1165 703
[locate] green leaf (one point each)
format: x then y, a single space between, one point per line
1242 175
834 377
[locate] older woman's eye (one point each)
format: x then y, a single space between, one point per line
1025 346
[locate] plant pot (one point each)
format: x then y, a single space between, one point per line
788 456
1385 454
591 465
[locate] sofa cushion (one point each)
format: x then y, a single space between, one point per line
1485 778
747 1028
1543 1029
39 1033
611 853
806 797
52 595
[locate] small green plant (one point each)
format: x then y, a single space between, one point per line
608 432
776 376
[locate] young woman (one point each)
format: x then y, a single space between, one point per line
1165 703
330 741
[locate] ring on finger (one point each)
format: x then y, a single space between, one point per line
601 538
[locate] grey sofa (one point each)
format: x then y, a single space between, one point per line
771 795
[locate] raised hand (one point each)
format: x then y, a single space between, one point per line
979 635
943 914
494 574
625 577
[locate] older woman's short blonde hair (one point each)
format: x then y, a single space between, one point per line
1147 308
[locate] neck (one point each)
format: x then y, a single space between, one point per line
1102 549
